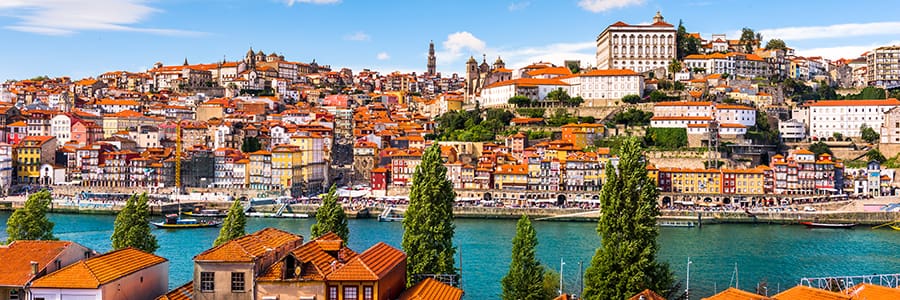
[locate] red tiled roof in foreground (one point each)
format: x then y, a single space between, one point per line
870 291
249 247
802 292
430 289
93 272
184 292
647 295
16 258
371 265
736 294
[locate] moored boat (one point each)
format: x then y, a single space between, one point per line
173 221
828 225
895 227
687 224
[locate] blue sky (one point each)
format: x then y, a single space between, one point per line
81 38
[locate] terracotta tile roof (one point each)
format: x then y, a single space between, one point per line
611 72
529 82
802 292
684 103
17 257
249 247
430 289
736 294
883 102
318 259
647 295
99 270
372 264
184 292
868 291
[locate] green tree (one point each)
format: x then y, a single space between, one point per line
658 96
819 147
559 95
776 44
674 67
330 217
748 39
502 116
632 99
625 263
132 226
561 117
519 101
666 138
428 223
30 222
869 134
250 144
574 101
876 155
234 225
531 112
551 283
526 275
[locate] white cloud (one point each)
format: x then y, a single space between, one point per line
64 17
358 36
518 5
604 5
292 2
833 31
851 51
383 56
458 44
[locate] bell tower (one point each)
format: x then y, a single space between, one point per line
432 60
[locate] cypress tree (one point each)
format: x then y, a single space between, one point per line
234 224
30 222
330 217
625 263
428 223
525 279
132 226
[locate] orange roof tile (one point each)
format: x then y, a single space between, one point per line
883 102
870 291
736 294
647 295
529 82
802 292
17 257
249 247
611 72
96 271
430 289
184 292
371 265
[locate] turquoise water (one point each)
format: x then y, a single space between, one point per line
778 254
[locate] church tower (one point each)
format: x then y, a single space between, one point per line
658 18
432 61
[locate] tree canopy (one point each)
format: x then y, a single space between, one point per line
631 98
819 147
519 101
428 222
234 225
869 134
748 39
30 222
330 217
524 280
132 226
875 155
625 263
776 44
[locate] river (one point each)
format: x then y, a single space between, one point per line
777 254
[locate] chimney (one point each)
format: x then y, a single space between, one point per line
34 268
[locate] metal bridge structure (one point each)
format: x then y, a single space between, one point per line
842 283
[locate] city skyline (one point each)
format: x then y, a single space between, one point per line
86 38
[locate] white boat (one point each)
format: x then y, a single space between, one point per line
687 224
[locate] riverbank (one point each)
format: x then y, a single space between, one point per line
828 212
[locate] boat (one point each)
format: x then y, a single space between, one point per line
276 215
686 224
207 213
173 221
828 225
388 215
895 227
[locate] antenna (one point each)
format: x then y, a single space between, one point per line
687 285
561 264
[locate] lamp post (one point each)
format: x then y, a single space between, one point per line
561 264
687 285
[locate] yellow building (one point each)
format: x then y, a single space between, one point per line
286 167
313 170
560 150
31 152
582 135
511 177
260 170
746 181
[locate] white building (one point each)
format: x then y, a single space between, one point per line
735 64
847 116
536 89
792 130
640 48
598 86
677 114
61 127
123 274
884 66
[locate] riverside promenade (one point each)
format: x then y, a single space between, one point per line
848 211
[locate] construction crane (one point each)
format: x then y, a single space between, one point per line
178 158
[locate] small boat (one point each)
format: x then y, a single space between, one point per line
685 224
828 225
207 213
173 221
895 227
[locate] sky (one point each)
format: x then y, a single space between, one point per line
82 38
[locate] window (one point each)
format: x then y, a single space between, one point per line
367 293
351 292
332 293
14 294
207 281
237 281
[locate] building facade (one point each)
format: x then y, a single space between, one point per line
641 48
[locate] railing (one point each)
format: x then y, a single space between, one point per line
842 283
